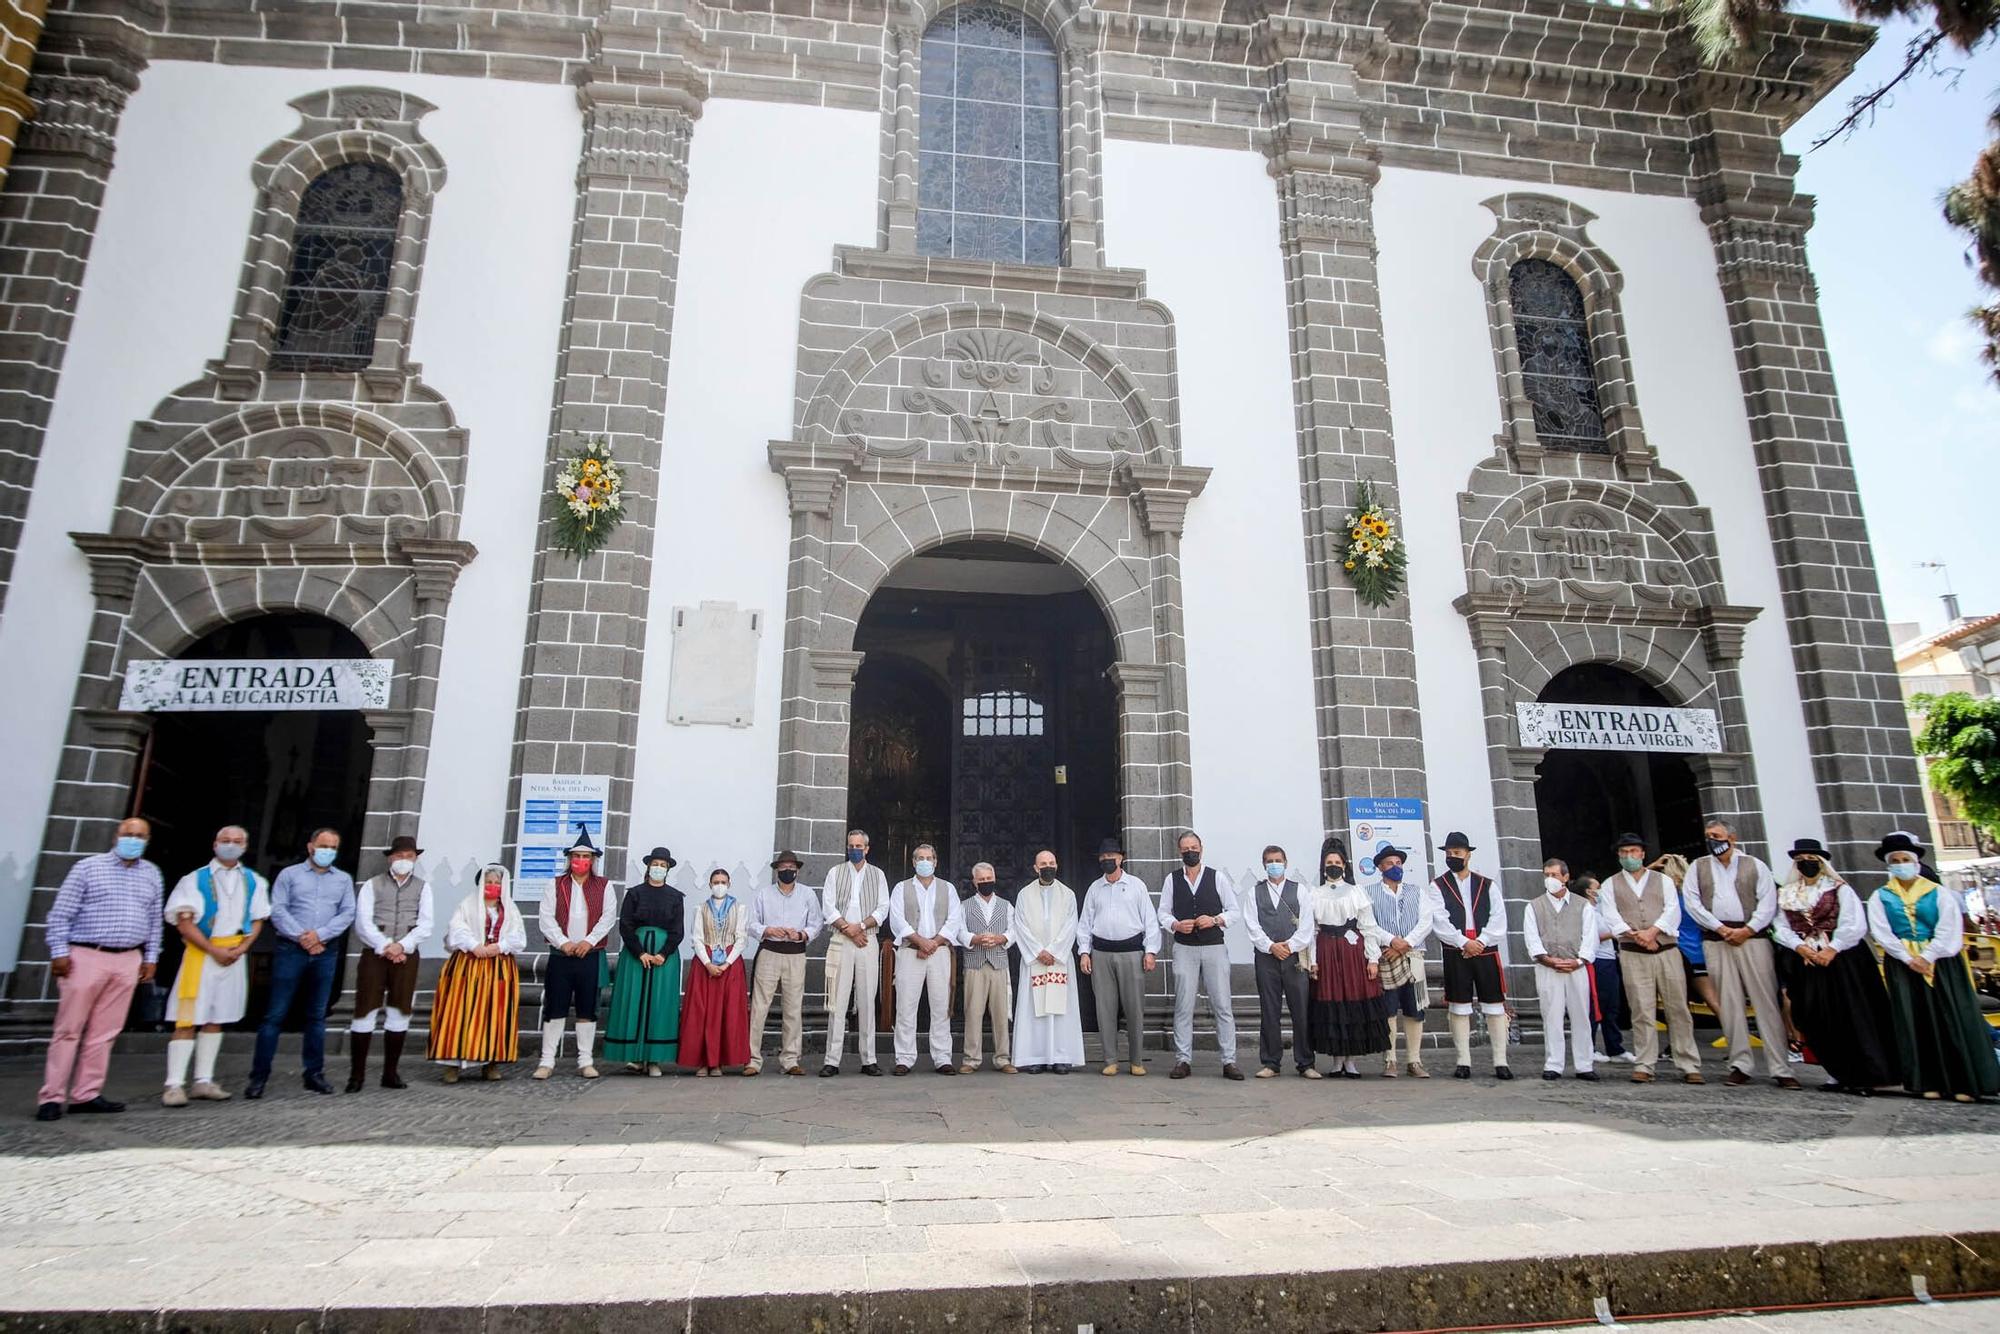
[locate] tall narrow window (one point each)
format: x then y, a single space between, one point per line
342 249
989 183
1552 335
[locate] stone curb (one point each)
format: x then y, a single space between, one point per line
1405 1298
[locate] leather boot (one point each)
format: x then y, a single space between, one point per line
392 1055
357 1060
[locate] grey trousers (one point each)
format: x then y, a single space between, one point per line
1117 977
1208 966
1741 971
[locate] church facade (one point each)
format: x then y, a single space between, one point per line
992 386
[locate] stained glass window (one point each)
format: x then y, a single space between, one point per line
1553 337
342 249
989 182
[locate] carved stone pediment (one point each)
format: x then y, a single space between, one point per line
293 486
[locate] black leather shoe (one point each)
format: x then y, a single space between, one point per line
100 1103
1462 1072
1231 1072
49 1111
357 1081
871 1069
392 1080
316 1084
254 1089
828 1071
1587 1076
1551 1074
944 1070
1059 1069
902 1069
1502 1072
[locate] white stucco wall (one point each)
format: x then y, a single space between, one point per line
1203 224
772 189
1447 412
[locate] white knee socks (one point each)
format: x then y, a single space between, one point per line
552 1043
1461 1037
179 1052
586 1039
207 1046
1413 1038
1496 1033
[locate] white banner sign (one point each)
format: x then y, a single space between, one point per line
1618 727
552 806
221 685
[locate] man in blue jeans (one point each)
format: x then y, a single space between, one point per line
312 902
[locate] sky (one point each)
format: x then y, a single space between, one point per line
1923 412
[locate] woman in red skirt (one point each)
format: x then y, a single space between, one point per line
715 1020
1349 1015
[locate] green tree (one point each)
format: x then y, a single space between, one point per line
1961 738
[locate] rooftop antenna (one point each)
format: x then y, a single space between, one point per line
1951 616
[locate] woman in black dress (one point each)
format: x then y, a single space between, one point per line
1837 1000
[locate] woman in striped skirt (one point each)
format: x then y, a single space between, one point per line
477 1019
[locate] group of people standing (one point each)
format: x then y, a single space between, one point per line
1345 961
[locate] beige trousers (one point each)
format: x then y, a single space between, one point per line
1742 972
1658 979
775 972
852 974
988 993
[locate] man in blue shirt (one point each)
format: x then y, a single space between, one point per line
312 903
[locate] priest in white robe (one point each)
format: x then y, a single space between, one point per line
1048 1022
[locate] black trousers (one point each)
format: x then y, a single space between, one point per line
1279 985
571 980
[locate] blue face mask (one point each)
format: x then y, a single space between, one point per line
130 847
926 867
1393 873
1901 870
1276 870
857 855
323 857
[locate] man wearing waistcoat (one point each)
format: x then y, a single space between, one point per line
855 904
1195 908
926 917
1403 913
1560 933
985 935
392 918
578 912
1471 921
1733 897
1280 923
1642 911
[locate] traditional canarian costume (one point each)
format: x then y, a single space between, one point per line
227 901
1840 1009
989 989
476 1019
916 909
1350 1015
1742 893
1200 958
859 896
715 1021
387 911
1562 926
1654 979
1401 913
1465 908
1048 1017
644 1026
1280 913
1943 1046
574 909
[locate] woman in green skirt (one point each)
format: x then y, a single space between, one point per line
644 1029
1943 1044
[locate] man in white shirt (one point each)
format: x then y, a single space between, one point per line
578 911
392 918
926 917
1642 910
1280 921
1196 906
1117 942
1560 933
1470 921
855 903
218 911
1733 897
985 936
783 920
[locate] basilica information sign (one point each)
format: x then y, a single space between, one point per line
552 806
222 685
1618 727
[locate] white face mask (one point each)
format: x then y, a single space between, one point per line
719 890
229 852
402 866
1553 885
657 874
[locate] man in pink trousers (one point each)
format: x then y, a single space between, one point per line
104 939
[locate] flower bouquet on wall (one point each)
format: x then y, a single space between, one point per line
1373 557
589 499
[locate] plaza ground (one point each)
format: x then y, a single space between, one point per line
980 1202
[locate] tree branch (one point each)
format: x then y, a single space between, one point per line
1921 54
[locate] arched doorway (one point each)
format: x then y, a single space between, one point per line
1586 798
279 774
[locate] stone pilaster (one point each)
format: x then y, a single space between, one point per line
1856 726
579 700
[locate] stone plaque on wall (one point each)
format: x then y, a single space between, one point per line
714 675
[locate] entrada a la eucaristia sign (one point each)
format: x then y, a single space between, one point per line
221 685
1619 727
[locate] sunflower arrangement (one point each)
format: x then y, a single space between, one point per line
588 499
1373 556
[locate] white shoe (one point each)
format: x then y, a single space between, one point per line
1599 1057
653 1070
543 1071
1628 1057
588 1071
206 1090
175 1096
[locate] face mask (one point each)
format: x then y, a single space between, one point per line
492 892
1333 871
1808 867
579 866
130 847
719 890
984 887
1553 885
228 852
787 876
1631 863
1046 874
857 855
926 867
323 857
1718 846
1393 873
1107 864
1276 870
402 867
1904 870
1190 859
657 874
1454 864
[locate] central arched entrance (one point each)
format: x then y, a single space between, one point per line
985 718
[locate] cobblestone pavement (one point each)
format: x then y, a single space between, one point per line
667 1188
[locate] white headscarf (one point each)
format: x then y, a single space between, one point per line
471 914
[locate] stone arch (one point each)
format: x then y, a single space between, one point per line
176 605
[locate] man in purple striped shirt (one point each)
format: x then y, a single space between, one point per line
104 938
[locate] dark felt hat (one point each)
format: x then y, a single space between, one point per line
1387 849
1808 847
661 855
1629 840
582 842
1111 845
1900 842
787 856
404 843
1456 839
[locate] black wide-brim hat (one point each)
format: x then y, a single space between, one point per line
1389 849
1899 841
1457 839
1628 841
404 843
1111 845
1808 847
787 856
661 855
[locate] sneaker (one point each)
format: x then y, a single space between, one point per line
207 1090
175 1096
1599 1057
1628 1057
653 1070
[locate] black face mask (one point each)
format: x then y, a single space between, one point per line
1190 859
786 876
1333 871
1718 846
983 887
1107 864
1454 864
1046 874
1808 867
